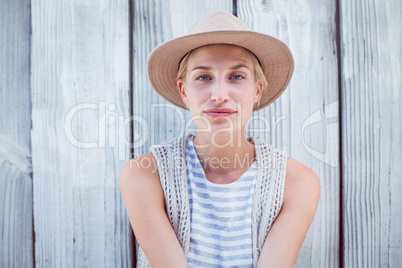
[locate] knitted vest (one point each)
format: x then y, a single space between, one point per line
267 199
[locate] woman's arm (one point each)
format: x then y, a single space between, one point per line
285 239
145 204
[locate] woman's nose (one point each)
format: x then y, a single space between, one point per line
220 92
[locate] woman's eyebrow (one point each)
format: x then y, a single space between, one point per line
235 67
201 67
239 66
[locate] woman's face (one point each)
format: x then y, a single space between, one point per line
220 88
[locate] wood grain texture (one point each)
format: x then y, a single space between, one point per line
16 232
80 86
80 99
155 120
304 120
372 152
156 22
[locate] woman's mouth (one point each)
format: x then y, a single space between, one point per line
219 112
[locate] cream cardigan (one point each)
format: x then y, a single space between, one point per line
267 199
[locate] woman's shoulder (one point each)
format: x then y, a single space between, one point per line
297 169
140 174
144 168
301 185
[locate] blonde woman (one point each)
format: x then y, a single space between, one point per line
219 198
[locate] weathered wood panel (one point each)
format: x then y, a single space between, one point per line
80 100
80 57
304 120
371 132
156 22
154 119
16 232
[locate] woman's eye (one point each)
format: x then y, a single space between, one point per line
237 77
203 78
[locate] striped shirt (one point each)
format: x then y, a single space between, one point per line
220 234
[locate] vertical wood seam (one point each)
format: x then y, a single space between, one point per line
131 5
339 61
30 129
234 7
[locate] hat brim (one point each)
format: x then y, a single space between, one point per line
275 58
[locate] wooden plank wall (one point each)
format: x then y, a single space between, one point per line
371 132
71 79
304 120
80 102
16 236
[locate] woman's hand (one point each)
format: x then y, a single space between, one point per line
145 203
285 239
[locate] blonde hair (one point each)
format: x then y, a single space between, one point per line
181 73
258 72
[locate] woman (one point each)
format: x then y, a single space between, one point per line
219 199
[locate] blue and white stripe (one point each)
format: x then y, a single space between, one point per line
220 233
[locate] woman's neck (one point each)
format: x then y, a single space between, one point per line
224 155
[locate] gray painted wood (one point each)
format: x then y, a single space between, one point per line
80 86
371 124
155 120
159 121
16 232
304 120
80 59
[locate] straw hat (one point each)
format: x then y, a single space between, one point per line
221 28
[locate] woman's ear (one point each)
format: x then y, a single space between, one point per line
180 86
258 91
